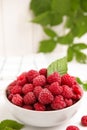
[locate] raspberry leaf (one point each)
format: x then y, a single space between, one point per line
10 125
59 66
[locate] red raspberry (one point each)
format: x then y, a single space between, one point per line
27 88
54 77
84 120
29 98
68 80
45 96
10 96
9 89
22 79
78 91
13 83
68 102
43 71
58 103
17 100
40 80
67 92
39 107
29 107
37 90
55 88
72 127
31 75
16 89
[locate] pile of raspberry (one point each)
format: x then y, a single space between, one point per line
35 90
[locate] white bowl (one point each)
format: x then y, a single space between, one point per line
43 118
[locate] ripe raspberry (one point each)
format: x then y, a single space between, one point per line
78 91
22 79
58 103
43 71
54 77
40 80
68 102
45 96
31 75
55 88
37 90
29 98
16 90
10 96
68 80
84 120
72 127
17 100
9 89
13 83
27 88
29 107
39 107
67 92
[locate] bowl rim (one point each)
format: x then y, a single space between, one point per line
33 111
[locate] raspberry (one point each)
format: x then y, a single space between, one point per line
37 90
29 98
45 96
10 96
43 71
67 92
29 107
17 100
39 107
55 88
22 79
58 103
31 75
84 120
13 83
16 89
9 89
78 91
27 88
68 80
54 77
68 102
72 127
40 80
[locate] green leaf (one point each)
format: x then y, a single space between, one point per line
50 32
70 54
43 19
8 128
59 66
85 86
79 25
81 57
80 46
55 18
83 4
79 80
75 6
47 46
40 6
67 39
48 18
62 7
10 124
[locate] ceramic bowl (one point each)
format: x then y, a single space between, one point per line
42 118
